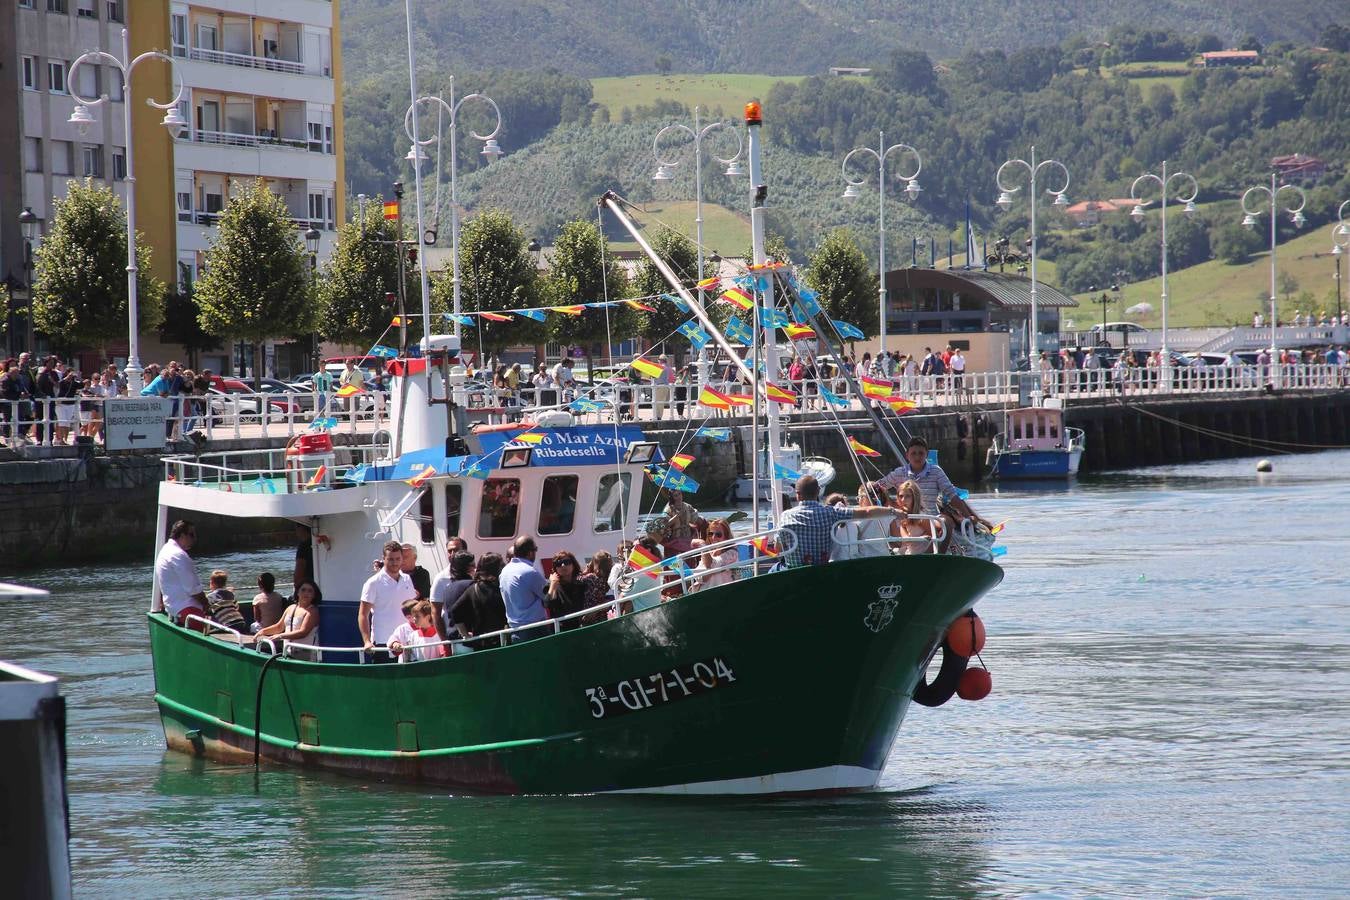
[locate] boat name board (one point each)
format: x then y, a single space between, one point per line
646 691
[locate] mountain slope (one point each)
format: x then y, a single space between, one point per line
602 37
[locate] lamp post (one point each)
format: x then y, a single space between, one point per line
665 171
1249 221
1340 242
312 238
1033 169
28 222
82 118
1164 183
491 151
912 190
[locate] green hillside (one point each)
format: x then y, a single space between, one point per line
720 95
1216 293
724 231
601 37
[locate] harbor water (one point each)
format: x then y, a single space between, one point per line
1171 716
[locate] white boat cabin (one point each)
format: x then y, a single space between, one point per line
1035 428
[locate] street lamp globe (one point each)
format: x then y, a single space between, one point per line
1004 200
663 173
492 150
1249 221
735 169
1336 250
416 154
81 118
28 221
1299 220
913 189
1061 200
1189 209
1138 212
851 192
174 121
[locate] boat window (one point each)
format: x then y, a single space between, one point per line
426 518
611 501
1041 425
453 495
558 504
501 502
1054 430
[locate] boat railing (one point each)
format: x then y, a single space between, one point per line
845 536
242 470
688 578
212 627
1077 438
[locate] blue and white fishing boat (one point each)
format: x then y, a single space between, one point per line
1035 444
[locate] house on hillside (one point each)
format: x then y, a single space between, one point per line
1216 59
849 70
1087 213
1298 167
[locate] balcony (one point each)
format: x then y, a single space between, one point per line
246 61
234 139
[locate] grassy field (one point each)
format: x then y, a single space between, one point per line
730 92
1216 293
723 230
1171 74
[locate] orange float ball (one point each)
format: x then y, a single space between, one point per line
974 684
966 635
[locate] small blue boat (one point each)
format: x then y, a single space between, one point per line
1035 444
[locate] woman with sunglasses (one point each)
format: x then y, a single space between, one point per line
719 530
566 594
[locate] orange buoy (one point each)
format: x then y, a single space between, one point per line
966 635
974 684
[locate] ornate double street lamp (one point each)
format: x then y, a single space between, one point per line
82 118
417 155
1249 221
1164 183
912 190
1340 242
665 171
1006 190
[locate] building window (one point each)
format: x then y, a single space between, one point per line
178 31
58 6
56 76
316 207
184 277
328 138
32 154
185 206
87 82
119 157
331 202
114 10
316 137
93 161
63 158
30 73
115 92
85 9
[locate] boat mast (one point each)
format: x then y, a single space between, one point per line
760 191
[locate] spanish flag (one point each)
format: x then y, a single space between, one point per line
529 437
639 306
741 399
323 470
797 332
999 527
708 283
763 546
347 390
494 317
681 461
649 368
391 209
768 266
396 321
860 448
420 479
737 297
641 558
715 399
901 405
570 310
777 394
875 388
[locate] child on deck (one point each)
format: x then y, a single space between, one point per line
221 603
418 639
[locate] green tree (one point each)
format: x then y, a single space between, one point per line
839 273
1233 243
583 270
682 256
257 282
364 268
181 326
80 272
497 273
1288 284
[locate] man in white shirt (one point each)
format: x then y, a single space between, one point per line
381 609
180 589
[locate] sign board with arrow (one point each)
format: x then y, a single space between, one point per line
135 423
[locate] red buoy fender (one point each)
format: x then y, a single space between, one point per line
974 684
941 689
966 634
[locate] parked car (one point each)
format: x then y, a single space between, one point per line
301 396
231 397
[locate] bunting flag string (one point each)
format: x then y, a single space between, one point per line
383 352
664 477
586 405
569 310
714 398
641 558
783 472
779 395
901 406
796 332
648 368
772 318
720 435
530 437
846 331
347 390
697 336
681 461
677 300
709 284
832 398
422 477
638 305
860 448
737 297
493 317
738 331
327 423
875 388
535 314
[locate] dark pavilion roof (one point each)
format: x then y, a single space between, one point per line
1000 289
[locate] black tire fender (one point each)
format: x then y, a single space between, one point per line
943 687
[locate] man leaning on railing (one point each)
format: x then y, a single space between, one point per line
810 522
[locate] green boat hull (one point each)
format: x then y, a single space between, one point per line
796 681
